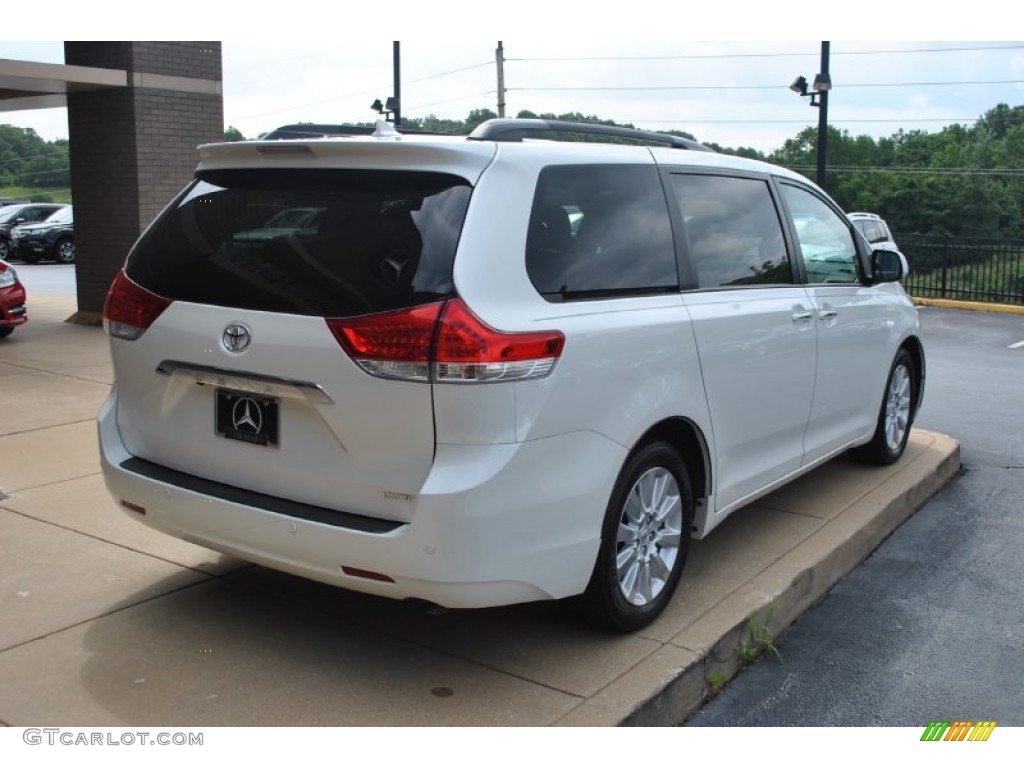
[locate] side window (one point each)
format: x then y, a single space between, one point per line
600 231
733 230
826 242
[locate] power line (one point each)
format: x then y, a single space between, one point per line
764 55
40 173
764 121
406 110
367 92
751 87
916 171
53 153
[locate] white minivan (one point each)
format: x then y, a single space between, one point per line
497 368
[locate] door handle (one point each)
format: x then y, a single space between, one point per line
799 317
827 314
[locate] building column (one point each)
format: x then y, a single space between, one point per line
132 149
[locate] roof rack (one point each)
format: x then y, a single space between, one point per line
516 129
319 130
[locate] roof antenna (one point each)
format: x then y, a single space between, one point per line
385 130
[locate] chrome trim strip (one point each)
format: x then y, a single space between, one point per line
244 381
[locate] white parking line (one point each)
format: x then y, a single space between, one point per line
1018 345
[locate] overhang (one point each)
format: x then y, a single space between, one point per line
35 85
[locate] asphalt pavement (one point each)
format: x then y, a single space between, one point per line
929 626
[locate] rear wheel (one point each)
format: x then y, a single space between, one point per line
6 331
5 250
892 430
644 541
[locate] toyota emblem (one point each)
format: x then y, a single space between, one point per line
236 337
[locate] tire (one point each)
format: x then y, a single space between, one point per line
895 416
645 539
64 251
5 250
6 331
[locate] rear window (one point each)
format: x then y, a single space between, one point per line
332 243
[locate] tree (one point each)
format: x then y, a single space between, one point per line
233 134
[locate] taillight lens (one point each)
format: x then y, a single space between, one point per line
392 345
445 342
468 350
130 309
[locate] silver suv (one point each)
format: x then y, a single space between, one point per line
497 368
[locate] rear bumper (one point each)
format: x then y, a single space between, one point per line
492 525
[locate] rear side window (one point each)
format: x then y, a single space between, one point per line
332 243
733 231
600 231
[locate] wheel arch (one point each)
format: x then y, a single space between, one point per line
687 438
916 350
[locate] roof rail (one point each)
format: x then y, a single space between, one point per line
319 130
516 129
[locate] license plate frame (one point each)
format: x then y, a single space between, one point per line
247 417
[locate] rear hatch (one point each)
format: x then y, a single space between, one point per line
228 326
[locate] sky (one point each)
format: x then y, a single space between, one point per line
280 69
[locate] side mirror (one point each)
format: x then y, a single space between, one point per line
888 266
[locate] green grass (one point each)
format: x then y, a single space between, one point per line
38 194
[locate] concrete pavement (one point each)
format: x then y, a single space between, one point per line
105 622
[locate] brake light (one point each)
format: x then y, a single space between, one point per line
392 345
130 309
468 350
446 343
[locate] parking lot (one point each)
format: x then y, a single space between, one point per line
110 623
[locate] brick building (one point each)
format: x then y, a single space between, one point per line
136 112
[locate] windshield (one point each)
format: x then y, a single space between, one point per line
61 216
10 212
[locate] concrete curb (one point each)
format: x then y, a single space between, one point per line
974 306
665 691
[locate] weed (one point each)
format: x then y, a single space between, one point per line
759 638
715 685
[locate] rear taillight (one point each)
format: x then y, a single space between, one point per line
130 309
393 345
445 343
468 350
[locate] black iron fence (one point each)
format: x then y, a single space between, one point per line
964 268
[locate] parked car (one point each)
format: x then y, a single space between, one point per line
874 229
25 213
498 370
12 300
53 238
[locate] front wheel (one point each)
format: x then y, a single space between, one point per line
644 542
892 430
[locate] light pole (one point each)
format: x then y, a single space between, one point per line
819 98
392 107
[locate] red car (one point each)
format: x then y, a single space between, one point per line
12 300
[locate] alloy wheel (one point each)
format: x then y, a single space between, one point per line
649 536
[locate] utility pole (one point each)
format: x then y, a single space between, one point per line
823 114
398 86
499 57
